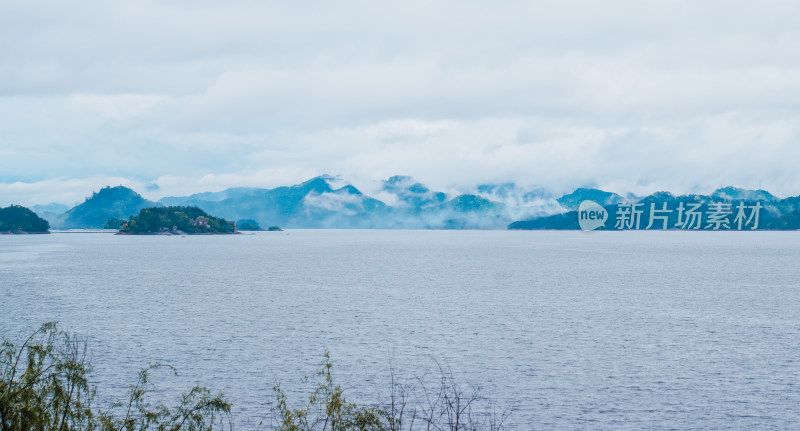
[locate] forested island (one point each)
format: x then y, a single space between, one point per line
252 225
248 225
175 220
18 219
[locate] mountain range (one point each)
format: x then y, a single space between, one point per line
399 203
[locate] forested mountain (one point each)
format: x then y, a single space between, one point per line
18 219
105 204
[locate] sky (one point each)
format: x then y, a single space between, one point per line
177 97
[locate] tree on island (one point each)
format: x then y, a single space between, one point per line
248 224
114 223
190 220
18 219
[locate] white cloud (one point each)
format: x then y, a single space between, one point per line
340 203
68 191
193 96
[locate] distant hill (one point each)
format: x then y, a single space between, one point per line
565 221
105 204
572 200
788 221
18 219
736 194
505 191
51 212
55 208
775 213
316 203
412 196
248 225
232 193
311 204
466 212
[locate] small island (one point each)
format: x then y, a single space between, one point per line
114 223
16 219
248 225
252 225
176 220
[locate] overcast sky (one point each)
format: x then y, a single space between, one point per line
175 97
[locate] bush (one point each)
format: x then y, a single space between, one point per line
44 386
328 409
444 406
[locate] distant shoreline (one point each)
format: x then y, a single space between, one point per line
175 233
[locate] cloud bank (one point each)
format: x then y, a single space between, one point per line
179 97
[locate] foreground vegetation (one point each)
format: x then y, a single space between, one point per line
44 386
18 219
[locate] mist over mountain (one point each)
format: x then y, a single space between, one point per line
231 193
774 213
400 202
311 204
54 208
730 194
405 192
572 200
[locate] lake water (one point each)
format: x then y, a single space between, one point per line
602 330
